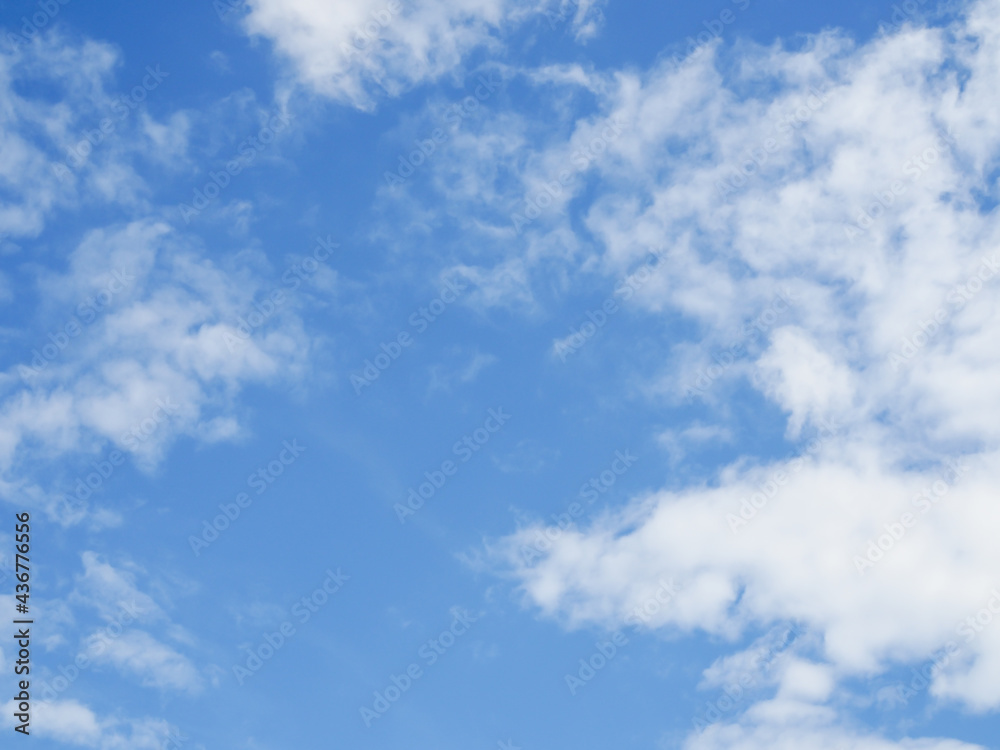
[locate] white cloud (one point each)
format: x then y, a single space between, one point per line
108 588
73 723
677 441
848 122
78 144
797 732
754 663
158 352
807 381
445 377
65 721
137 653
794 559
114 592
350 50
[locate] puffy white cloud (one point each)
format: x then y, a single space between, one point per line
792 542
807 382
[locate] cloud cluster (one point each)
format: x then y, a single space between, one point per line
355 51
78 144
73 723
151 360
123 641
136 337
859 176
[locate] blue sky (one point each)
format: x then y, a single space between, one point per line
503 373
